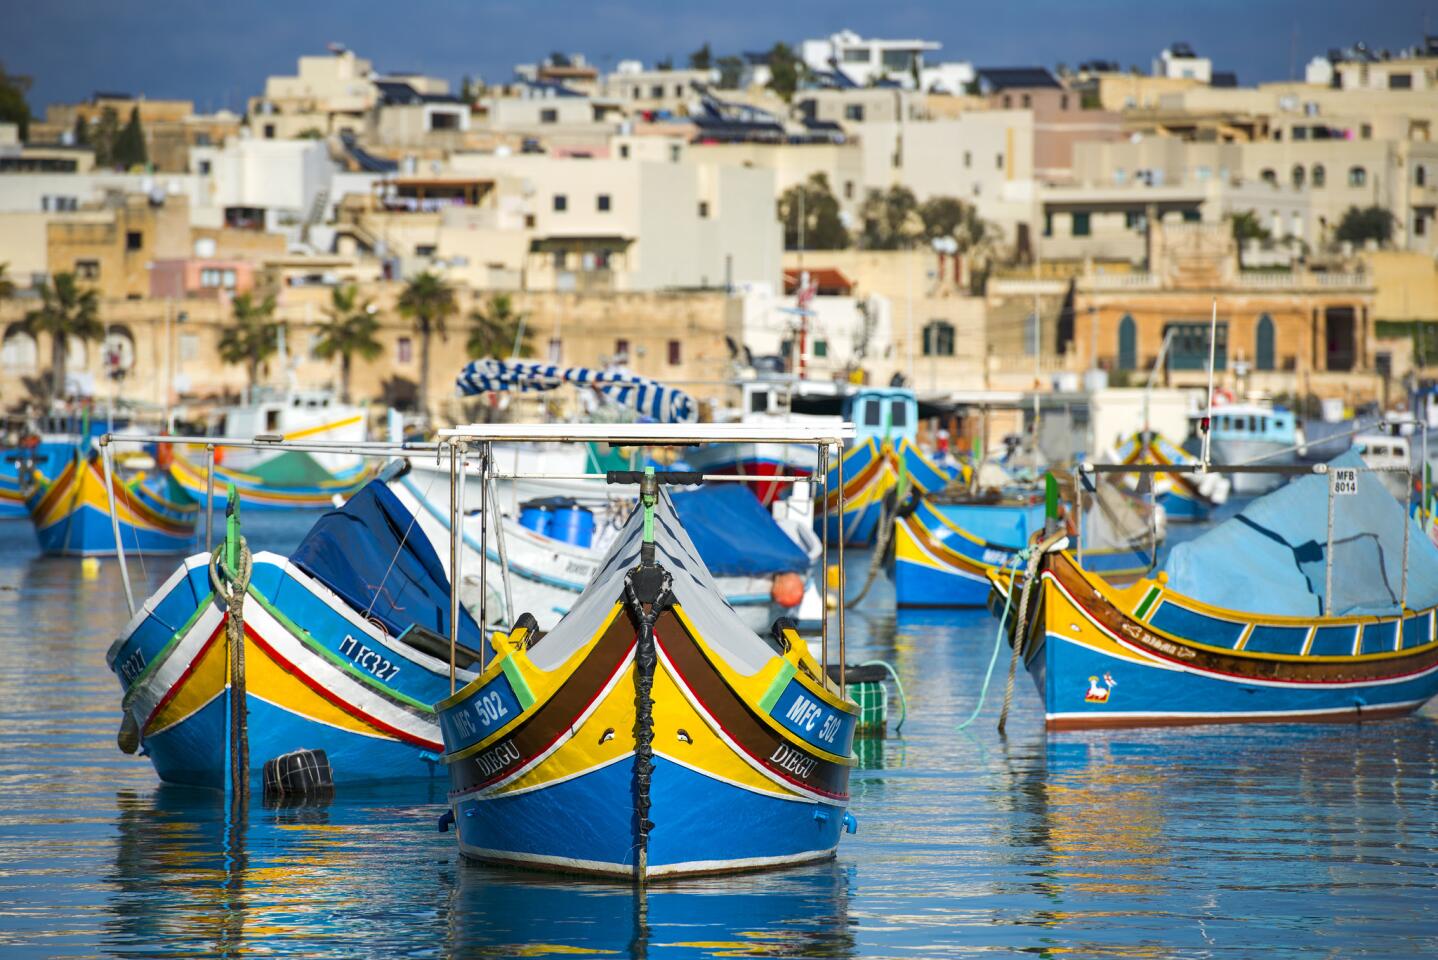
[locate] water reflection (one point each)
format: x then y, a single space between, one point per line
800 912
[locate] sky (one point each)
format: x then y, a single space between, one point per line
219 53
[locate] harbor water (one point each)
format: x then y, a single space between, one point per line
1271 841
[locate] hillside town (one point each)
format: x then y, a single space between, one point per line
840 208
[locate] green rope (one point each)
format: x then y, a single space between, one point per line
1018 559
898 685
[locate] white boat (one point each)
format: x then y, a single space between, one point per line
295 415
1391 454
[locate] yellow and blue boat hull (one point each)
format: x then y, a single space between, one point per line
71 515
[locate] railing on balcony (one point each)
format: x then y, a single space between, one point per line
1121 281
1295 281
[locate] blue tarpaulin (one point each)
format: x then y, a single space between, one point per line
372 546
1271 558
735 535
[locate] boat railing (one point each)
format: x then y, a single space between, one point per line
827 438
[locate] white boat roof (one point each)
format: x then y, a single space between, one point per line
633 434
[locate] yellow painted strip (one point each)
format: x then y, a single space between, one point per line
323 428
1248 632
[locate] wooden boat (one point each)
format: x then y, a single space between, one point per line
650 733
871 470
1153 653
71 513
291 480
1183 496
344 651
940 561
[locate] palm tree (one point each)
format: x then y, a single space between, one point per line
497 328
253 337
350 330
66 310
429 302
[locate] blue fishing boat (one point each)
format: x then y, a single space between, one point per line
1183 496
345 650
1175 649
1242 433
650 733
71 512
944 553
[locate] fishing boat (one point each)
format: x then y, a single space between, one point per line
292 414
554 547
290 480
1184 496
1242 433
1327 628
72 517
650 733
345 649
946 552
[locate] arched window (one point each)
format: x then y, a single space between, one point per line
118 352
1268 176
1298 176
1320 176
1127 343
19 353
1263 343
1357 177
77 355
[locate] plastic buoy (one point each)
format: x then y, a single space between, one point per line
788 589
90 568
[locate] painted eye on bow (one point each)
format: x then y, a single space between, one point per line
607 735
684 736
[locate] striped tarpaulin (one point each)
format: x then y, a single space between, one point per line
650 397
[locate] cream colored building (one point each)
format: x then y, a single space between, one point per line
639 89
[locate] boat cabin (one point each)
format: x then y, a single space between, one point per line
1252 422
890 413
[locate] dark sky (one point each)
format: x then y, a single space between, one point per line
218 53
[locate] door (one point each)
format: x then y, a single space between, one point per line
1263 344
1127 344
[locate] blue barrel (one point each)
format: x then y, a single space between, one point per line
536 517
573 524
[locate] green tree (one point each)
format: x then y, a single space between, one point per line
823 227
129 150
942 216
310 133
1360 226
784 69
665 65
701 59
13 108
891 219
429 301
7 286
1246 226
103 137
253 335
81 132
731 68
349 331
67 309
497 329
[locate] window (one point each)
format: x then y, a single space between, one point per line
621 348
1048 223
1064 102
821 349
443 120
87 269
1420 225
674 153
556 350
1365 132
1081 225
1192 216
601 203
1263 343
561 259
998 161
1133 219
204 168
1127 343
898 61
1203 173
134 240
1400 81
679 89
1026 100
1299 133
19 353
898 413
873 416
624 151
1420 175
1357 177
1008 101
549 115
1298 176
656 91
704 209
189 346
1188 349
968 159
856 55
424 250
848 189
269 131
676 353
938 339
529 221
855 112
404 350
1320 176
561 203
1268 176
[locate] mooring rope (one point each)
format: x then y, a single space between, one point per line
230 587
1021 557
898 685
1021 624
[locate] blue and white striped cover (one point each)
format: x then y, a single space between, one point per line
650 397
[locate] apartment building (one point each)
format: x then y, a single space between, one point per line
1060 118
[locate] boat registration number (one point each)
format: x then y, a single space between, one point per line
1345 481
371 661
